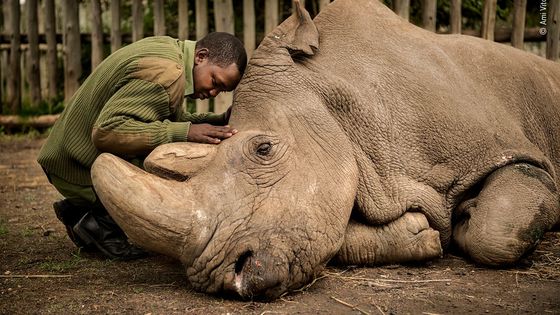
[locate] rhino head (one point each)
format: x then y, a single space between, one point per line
264 211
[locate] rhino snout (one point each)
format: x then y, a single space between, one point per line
257 275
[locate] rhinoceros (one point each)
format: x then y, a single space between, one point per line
363 139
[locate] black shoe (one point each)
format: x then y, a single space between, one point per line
102 232
69 215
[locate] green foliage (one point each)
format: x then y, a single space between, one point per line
60 266
27 232
3 228
45 107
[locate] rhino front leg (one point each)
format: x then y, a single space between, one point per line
507 218
408 238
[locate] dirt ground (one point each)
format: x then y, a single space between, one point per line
42 272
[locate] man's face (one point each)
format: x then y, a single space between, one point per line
210 79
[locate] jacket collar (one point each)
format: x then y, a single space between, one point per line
188 47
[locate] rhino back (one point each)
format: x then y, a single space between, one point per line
445 110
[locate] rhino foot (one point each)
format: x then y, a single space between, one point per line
507 218
407 239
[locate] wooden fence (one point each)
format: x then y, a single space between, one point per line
29 60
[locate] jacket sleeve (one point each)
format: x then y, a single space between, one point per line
135 120
200 118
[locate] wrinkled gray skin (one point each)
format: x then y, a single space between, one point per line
363 139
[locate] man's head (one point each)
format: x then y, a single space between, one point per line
219 62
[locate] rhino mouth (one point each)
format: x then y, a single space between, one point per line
249 274
254 277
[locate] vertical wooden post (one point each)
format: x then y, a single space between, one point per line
116 36
159 18
249 34
72 48
223 15
323 4
42 53
33 64
488 19
518 24
429 8
14 75
137 20
270 15
4 54
183 19
402 8
455 23
96 34
553 27
3 63
201 6
52 52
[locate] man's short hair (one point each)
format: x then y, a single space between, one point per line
224 49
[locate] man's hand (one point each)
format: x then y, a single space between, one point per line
206 133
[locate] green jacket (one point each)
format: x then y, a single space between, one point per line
130 104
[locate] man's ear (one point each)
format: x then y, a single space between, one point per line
200 55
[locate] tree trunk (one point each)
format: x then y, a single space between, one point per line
159 18
14 76
52 55
202 106
455 17
4 6
223 15
72 48
116 36
488 19
553 24
33 58
270 15
96 34
402 8
249 36
518 24
429 15
11 121
183 19
137 20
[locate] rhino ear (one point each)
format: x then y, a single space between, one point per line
302 36
297 35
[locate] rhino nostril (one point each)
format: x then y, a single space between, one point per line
257 275
242 260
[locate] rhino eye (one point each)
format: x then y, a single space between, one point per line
264 149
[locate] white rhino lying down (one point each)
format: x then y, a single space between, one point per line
363 139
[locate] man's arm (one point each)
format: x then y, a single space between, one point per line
208 118
135 120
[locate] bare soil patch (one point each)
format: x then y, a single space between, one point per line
42 272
